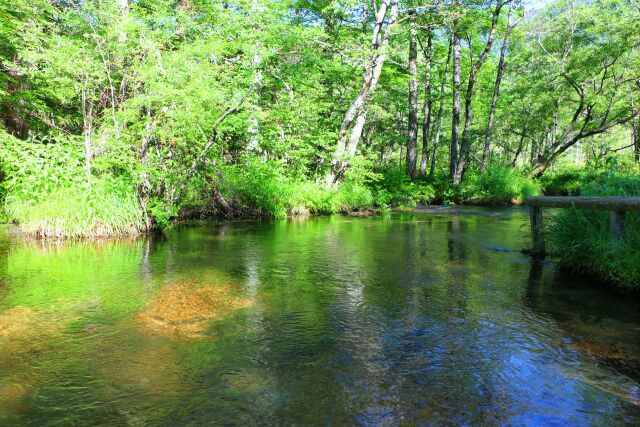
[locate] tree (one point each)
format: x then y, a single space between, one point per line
355 117
460 164
427 104
496 90
412 134
596 68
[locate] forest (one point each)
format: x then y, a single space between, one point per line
120 117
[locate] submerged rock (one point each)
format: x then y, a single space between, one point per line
185 309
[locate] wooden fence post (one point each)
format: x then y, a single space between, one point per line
616 205
617 226
537 236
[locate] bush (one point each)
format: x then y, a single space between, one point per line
392 186
570 181
499 184
256 187
582 239
262 188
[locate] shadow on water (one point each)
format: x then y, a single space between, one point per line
412 318
600 323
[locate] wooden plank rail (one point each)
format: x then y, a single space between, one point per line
619 204
616 205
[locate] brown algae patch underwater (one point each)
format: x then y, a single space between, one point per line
186 308
27 337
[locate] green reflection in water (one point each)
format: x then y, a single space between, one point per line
410 318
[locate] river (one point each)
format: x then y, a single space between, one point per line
418 318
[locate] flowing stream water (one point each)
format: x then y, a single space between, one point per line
421 318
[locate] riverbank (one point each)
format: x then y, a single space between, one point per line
109 208
582 239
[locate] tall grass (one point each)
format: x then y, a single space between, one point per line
96 211
46 193
582 240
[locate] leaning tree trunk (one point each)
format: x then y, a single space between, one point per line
426 107
355 117
436 141
412 135
455 110
486 152
519 150
465 145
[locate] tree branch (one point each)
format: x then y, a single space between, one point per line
212 139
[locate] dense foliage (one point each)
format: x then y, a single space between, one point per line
120 116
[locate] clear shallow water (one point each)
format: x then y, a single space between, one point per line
409 319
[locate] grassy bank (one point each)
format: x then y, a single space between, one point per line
96 211
581 238
256 188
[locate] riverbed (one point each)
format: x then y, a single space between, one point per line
415 318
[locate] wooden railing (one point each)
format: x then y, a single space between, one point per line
616 205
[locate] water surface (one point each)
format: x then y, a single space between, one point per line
408 319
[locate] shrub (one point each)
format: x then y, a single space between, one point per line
257 187
392 186
264 189
569 181
500 184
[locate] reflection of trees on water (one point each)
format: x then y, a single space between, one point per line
354 321
455 242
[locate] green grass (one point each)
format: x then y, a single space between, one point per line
99 211
582 241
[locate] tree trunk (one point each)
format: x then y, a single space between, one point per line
473 72
13 118
412 135
636 142
123 7
635 134
455 109
87 129
519 150
426 107
253 127
123 10
486 152
436 141
354 118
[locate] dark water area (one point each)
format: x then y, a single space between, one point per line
422 318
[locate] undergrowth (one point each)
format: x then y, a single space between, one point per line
500 184
96 211
582 240
48 194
